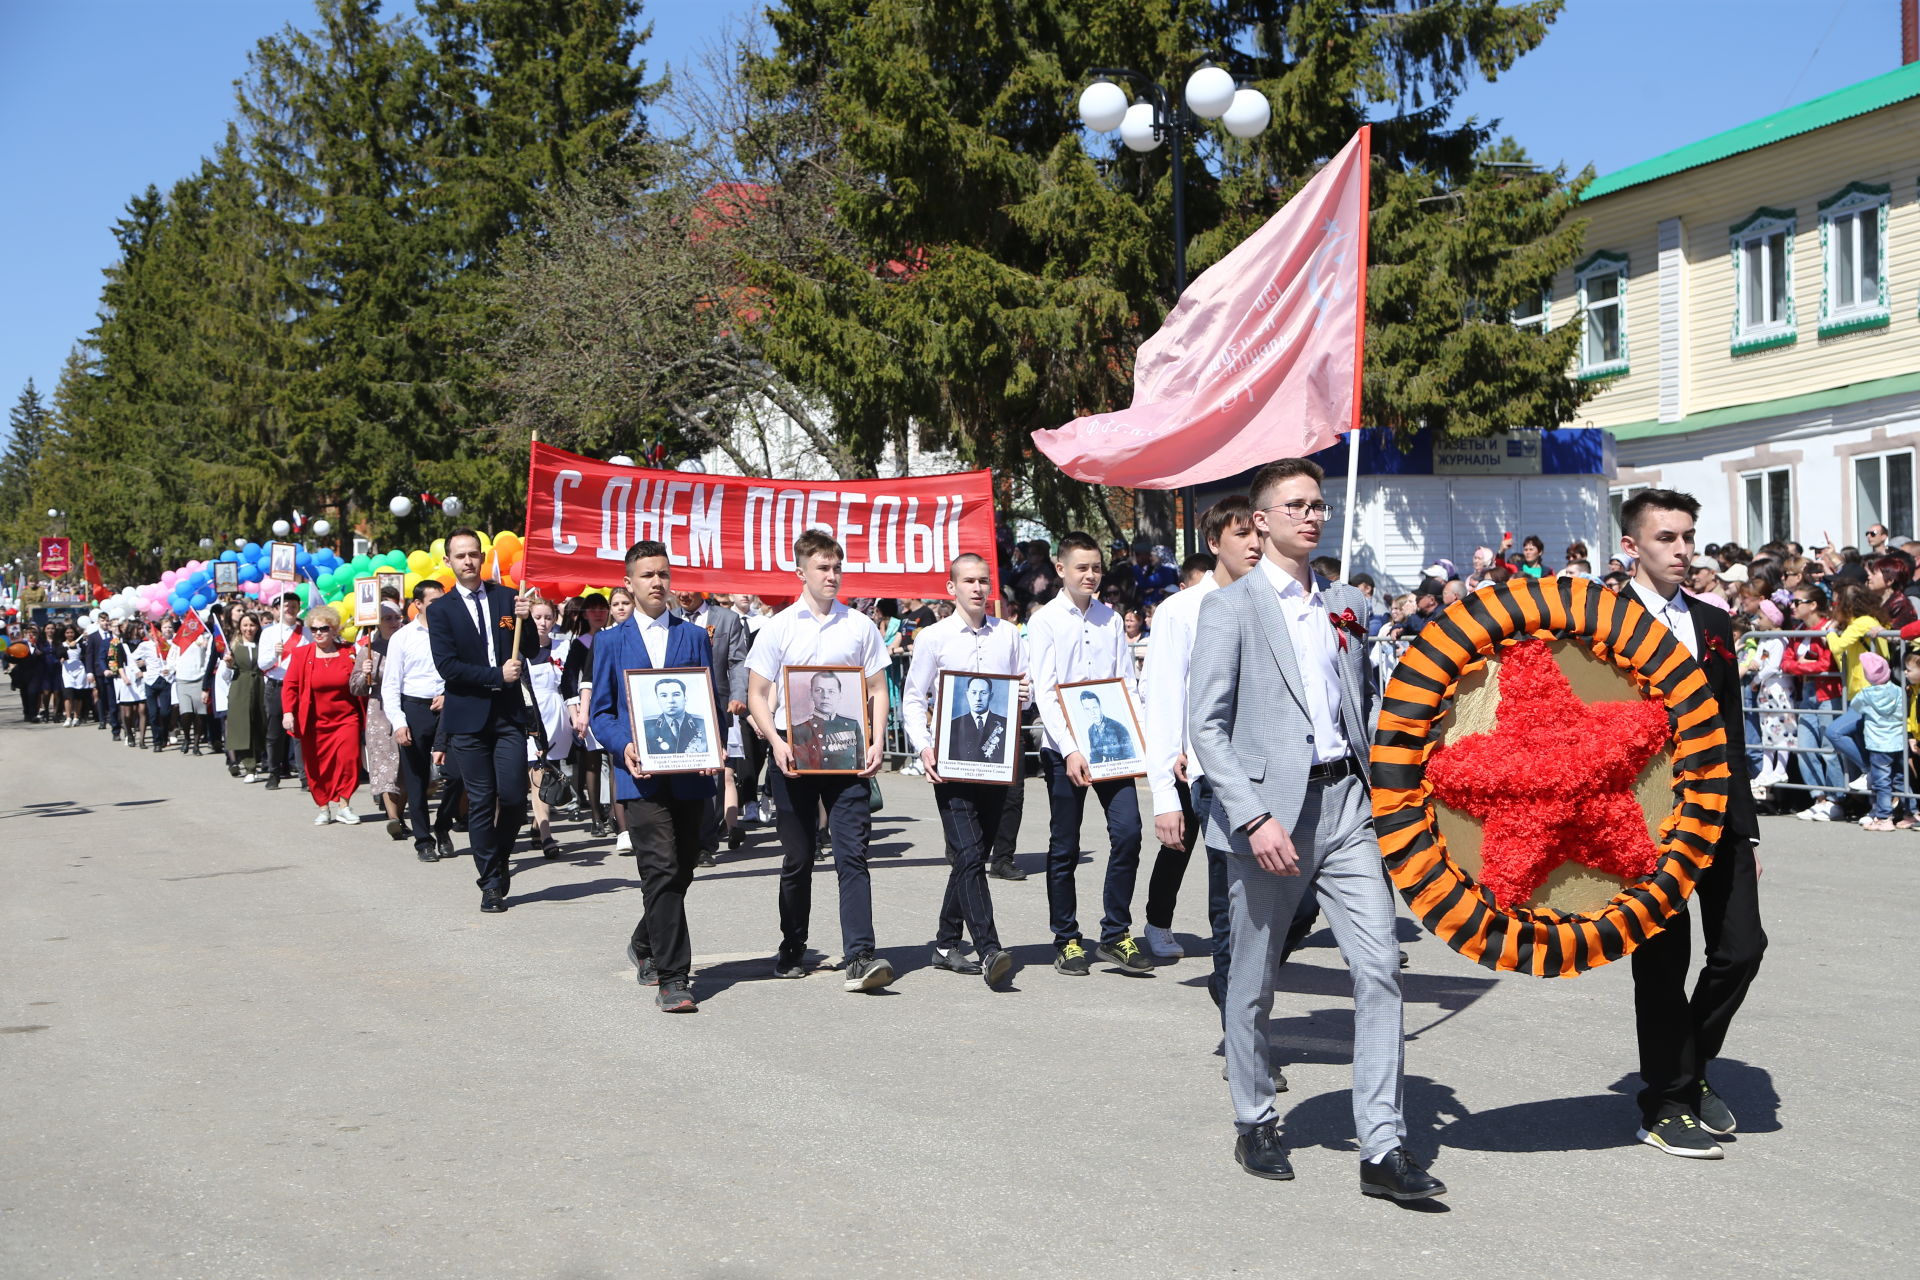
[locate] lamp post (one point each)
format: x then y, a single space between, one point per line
1210 92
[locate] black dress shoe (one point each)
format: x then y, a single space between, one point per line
273 783
397 829
1004 869
705 859
492 903
1261 1153
426 852
1399 1177
443 840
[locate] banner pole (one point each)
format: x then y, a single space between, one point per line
1347 566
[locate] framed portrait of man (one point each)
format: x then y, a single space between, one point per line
976 723
393 578
1106 728
281 565
366 601
826 718
226 577
675 728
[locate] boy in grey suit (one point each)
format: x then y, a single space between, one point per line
1280 705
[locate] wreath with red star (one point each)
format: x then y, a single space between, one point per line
1553 781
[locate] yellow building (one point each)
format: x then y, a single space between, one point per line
1752 307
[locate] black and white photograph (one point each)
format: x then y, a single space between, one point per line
826 718
674 719
1106 727
977 717
392 578
281 558
366 601
226 577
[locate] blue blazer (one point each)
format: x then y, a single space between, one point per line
616 651
476 697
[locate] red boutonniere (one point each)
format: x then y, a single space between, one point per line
1717 647
1345 624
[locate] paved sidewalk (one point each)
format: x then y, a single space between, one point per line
238 1045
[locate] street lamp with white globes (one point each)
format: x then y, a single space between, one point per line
452 507
1211 93
321 528
401 506
692 466
281 528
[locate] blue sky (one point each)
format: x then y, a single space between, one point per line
100 97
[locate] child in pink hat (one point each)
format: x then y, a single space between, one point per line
1884 724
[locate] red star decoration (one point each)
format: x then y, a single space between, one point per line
1554 780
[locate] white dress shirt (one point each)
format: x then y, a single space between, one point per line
1163 690
190 665
409 671
653 634
1068 645
1674 614
278 640
951 645
1315 647
476 603
797 637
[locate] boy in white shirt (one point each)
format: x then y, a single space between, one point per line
817 630
1075 637
969 639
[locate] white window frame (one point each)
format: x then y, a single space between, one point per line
1603 263
1881 516
1764 533
1750 237
1617 496
1541 319
1840 215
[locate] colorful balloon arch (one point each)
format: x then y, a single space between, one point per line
325 577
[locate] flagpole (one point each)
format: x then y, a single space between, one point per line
1347 566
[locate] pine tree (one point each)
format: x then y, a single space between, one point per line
1035 267
27 424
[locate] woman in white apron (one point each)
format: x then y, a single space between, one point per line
130 686
544 670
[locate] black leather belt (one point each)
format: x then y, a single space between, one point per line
1341 768
415 699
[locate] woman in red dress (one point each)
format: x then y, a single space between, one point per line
325 716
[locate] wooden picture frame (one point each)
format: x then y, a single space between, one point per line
836 743
674 719
1090 703
282 562
366 601
989 754
226 577
396 579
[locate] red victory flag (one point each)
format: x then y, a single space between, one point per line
735 533
92 572
56 557
1260 359
191 628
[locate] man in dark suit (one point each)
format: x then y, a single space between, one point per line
95 647
664 813
827 739
471 632
978 734
1679 1035
1107 738
673 731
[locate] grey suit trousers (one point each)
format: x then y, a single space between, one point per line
1340 861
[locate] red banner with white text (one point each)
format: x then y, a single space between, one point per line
735 533
56 557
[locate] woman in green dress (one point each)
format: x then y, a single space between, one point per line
246 701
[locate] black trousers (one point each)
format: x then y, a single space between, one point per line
416 772
492 765
1013 808
1170 865
1067 803
746 782
1679 1034
666 846
277 763
797 804
970 814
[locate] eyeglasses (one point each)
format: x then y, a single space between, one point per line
1301 509
320 630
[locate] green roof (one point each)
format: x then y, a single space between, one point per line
1842 104
1733 415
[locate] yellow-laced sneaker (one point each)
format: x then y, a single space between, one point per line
1072 960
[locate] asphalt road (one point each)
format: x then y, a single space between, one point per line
238 1045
